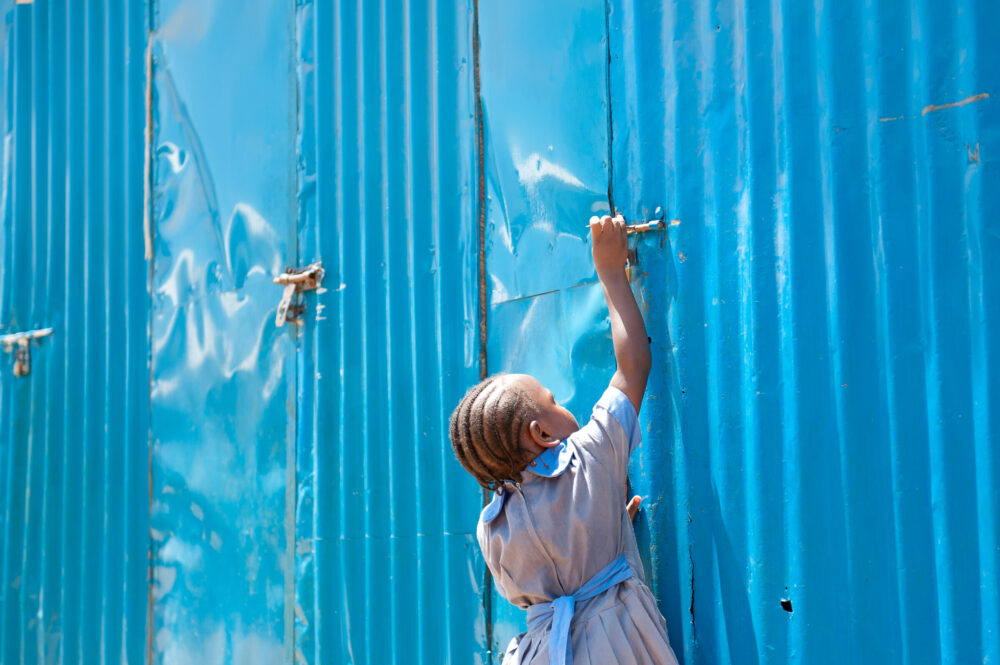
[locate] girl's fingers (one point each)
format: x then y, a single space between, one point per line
618 224
633 506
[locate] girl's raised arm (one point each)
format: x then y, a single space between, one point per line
628 331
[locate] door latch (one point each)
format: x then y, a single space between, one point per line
20 344
654 223
296 280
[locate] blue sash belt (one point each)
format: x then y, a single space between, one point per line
561 609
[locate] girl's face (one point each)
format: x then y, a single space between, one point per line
554 422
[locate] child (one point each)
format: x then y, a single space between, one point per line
557 536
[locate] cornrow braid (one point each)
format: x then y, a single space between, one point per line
485 430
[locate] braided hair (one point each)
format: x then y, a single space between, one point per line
486 429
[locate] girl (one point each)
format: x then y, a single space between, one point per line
557 536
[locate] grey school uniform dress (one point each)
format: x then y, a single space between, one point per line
561 545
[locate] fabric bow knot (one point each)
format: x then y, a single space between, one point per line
562 608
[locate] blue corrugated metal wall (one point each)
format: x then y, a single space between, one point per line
388 570
378 163
820 423
820 426
74 504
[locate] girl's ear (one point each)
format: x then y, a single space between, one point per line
540 436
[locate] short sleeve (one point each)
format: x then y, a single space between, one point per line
613 425
616 404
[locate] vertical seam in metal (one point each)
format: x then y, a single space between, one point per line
481 194
147 229
296 336
607 89
481 261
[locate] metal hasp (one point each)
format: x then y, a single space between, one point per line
654 224
296 280
657 223
20 344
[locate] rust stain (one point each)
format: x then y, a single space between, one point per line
930 108
891 119
675 222
487 597
481 198
973 154
681 256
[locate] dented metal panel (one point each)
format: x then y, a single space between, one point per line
74 499
387 567
223 373
543 71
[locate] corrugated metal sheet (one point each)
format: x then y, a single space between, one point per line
820 423
74 504
304 500
388 570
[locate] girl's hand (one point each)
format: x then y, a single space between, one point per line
609 246
633 507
